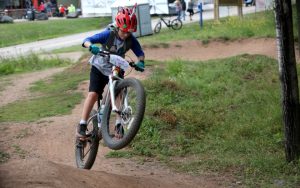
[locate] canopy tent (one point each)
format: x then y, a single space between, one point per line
103 7
156 6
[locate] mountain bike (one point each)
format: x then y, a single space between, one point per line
175 24
124 102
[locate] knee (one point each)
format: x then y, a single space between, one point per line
92 96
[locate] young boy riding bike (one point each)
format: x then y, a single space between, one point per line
117 40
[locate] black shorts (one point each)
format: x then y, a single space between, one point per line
97 81
191 11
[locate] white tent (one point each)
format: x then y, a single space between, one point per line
156 6
91 8
122 3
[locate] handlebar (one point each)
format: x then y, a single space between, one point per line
107 54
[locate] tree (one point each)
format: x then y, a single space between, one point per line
298 21
288 78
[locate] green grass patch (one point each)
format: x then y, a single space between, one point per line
4 82
119 154
19 151
29 63
260 24
70 49
57 96
24 32
4 157
222 116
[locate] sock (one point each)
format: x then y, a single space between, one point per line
118 121
82 122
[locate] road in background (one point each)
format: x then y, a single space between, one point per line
76 39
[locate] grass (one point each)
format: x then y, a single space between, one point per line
4 82
56 96
260 24
28 64
221 116
24 32
74 48
19 151
4 157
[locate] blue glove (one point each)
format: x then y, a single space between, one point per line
94 49
140 66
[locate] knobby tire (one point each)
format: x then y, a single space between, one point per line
157 27
93 149
176 24
138 116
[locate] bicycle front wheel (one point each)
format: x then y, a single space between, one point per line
176 24
86 151
119 128
157 27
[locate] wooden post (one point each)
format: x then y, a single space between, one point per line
288 78
240 8
216 10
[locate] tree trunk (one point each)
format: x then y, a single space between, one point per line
288 78
216 10
298 21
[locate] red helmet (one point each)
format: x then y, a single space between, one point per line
126 20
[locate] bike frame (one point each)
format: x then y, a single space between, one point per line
113 79
168 22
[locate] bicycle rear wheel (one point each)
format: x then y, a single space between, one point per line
176 24
157 27
131 101
86 151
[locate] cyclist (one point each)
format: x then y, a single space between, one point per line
117 40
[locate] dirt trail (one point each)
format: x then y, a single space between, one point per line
42 153
19 84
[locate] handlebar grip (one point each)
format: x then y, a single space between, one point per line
132 64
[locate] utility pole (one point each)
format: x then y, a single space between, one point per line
288 78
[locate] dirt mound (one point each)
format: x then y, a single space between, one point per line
47 146
195 50
41 173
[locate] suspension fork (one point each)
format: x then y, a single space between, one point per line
112 84
125 98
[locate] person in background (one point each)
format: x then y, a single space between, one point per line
183 4
178 9
71 9
191 9
61 11
48 6
42 7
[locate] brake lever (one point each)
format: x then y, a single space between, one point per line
104 53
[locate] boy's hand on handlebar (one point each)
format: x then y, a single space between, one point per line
140 66
94 49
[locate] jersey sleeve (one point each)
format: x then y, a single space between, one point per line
136 47
100 38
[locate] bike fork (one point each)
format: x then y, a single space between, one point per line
112 84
